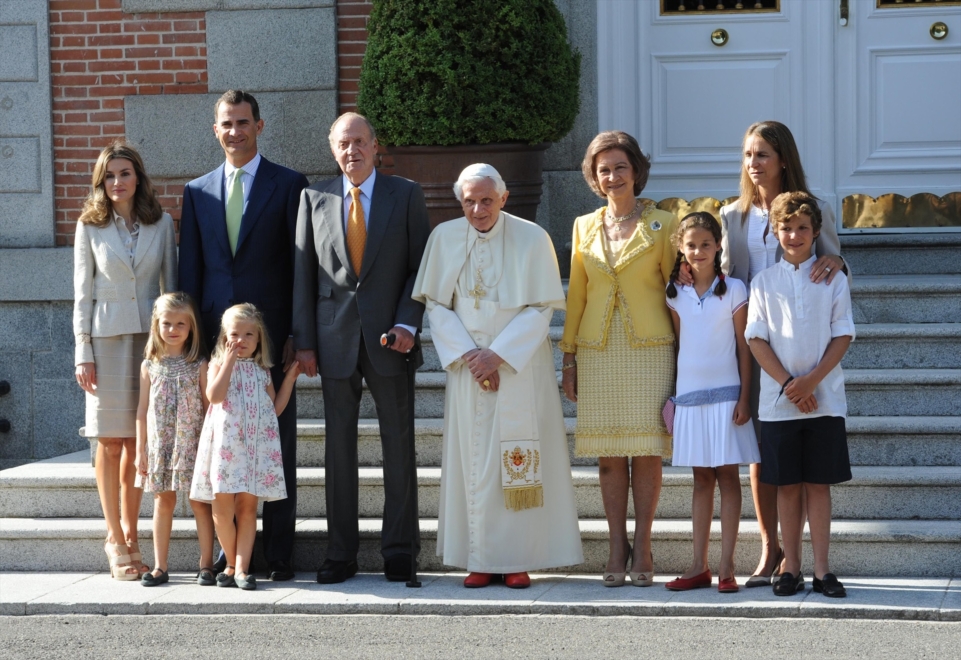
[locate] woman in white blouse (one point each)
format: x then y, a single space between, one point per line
771 165
125 256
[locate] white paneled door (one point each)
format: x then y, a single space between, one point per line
875 105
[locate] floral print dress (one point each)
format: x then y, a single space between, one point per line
175 415
240 442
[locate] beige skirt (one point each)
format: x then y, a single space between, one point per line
112 411
621 392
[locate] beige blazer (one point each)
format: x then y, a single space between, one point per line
111 297
735 258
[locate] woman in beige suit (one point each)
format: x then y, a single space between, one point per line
125 256
771 166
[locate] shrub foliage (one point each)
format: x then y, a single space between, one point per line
441 72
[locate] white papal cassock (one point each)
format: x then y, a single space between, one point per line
508 309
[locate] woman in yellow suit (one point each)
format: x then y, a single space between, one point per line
619 346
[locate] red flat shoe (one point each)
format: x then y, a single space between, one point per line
517 580
685 584
727 585
477 580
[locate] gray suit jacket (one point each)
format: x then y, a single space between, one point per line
735 259
111 297
333 305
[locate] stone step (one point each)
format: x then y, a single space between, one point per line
878 346
866 548
906 298
902 253
905 346
903 391
869 392
878 441
61 490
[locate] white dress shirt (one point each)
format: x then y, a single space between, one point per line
761 241
247 179
799 318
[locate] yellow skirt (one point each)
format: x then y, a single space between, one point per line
621 392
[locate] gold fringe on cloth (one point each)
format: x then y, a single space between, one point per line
621 391
524 497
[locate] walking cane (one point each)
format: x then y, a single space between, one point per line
386 340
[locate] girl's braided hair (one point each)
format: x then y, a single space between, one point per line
697 220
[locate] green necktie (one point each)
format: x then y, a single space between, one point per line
235 209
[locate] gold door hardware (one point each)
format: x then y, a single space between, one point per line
939 30
719 36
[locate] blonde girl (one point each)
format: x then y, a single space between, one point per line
239 460
169 418
711 430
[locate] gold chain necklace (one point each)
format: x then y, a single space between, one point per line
624 218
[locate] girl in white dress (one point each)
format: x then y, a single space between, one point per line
239 459
711 433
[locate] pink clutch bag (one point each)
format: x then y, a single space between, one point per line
668 414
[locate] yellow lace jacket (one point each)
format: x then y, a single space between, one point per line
637 281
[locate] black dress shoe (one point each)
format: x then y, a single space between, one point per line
829 586
220 565
788 585
397 568
333 572
280 571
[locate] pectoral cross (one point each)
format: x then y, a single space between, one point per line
478 291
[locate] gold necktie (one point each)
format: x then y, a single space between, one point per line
356 231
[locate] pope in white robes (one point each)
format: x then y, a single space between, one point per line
491 284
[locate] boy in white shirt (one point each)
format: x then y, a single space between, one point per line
798 331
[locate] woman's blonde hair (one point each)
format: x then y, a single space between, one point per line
249 313
97 208
181 303
781 140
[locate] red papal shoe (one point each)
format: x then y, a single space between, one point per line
517 580
699 581
477 580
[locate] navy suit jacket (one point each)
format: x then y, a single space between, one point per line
262 270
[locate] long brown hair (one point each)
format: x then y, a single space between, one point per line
174 302
781 140
97 208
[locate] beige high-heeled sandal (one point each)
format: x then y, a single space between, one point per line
643 578
133 549
120 566
617 579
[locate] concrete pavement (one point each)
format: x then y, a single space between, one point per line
931 599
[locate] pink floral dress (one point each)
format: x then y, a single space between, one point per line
175 415
240 442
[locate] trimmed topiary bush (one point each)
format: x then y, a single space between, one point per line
443 72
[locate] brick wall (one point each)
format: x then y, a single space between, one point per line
98 55
351 43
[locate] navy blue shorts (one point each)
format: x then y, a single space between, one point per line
812 450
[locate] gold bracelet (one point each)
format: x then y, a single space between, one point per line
569 365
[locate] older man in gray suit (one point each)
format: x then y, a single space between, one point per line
359 239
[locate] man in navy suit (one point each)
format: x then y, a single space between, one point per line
237 234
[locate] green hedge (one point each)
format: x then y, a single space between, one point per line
440 72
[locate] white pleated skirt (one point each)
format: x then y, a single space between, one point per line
706 436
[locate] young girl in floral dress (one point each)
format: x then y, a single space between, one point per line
169 418
239 460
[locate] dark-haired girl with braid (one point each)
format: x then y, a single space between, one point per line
711 430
